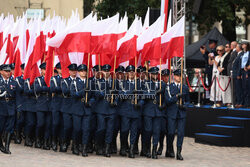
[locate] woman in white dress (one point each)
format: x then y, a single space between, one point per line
214 60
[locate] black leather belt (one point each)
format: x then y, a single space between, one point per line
7 99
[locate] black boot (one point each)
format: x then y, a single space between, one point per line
131 152
7 144
136 150
84 150
18 139
90 147
38 143
143 151
75 148
113 147
63 146
54 144
123 149
1 144
170 152
46 145
178 155
107 151
154 152
148 150
28 142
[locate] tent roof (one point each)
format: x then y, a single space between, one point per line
194 57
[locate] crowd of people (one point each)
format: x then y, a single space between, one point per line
88 113
227 70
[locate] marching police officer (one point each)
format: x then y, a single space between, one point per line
82 109
43 115
20 100
67 108
30 112
130 112
152 112
8 107
106 111
165 85
176 114
56 102
119 72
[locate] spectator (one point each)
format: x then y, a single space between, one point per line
244 59
230 68
224 78
209 68
195 81
215 62
238 83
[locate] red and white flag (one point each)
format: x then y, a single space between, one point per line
173 41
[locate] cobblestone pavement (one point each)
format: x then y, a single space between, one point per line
194 155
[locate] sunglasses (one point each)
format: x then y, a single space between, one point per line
227 46
219 50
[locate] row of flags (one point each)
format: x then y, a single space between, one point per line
88 41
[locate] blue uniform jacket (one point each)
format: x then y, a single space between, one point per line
173 110
78 94
56 90
30 96
67 99
8 101
20 97
43 94
103 96
127 97
151 101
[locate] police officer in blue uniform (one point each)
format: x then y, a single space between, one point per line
119 72
96 75
30 113
8 107
152 113
20 100
176 102
56 102
106 111
12 67
67 108
130 111
82 96
165 85
43 115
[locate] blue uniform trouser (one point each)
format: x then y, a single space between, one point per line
67 126
57 124
173 124
117 128
7 124
245 88
163 129
77 126
93 127
43 124
20 121
239 93
129 125
86 126
152 128
30 123
105 127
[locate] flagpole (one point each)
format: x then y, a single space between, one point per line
160 82
170 71
135 79
87 80
113 83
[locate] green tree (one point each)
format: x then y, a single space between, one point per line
220 10
111 7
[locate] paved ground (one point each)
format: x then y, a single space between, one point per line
194 155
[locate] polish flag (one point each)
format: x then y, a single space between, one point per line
149 42
126 46
20 51
75 38
104 36
173 41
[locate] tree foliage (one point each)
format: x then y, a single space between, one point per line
111 7
220 10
